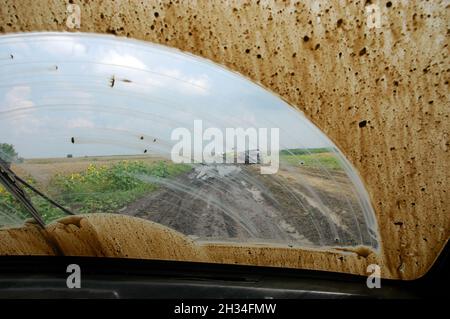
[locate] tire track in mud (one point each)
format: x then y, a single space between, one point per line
237 203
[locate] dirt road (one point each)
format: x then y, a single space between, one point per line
236 202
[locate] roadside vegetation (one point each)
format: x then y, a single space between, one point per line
109 184
315 158
95 189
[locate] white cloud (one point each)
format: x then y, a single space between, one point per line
80 122
187 83
149 79
64 46
17 97
126 60
126 66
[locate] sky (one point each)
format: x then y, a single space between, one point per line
117 96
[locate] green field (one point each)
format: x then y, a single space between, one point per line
107 184
92 189
313 160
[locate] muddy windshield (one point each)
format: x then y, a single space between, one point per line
107 125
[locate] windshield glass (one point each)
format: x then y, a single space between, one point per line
107 125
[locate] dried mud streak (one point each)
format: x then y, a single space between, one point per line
395 78
100 235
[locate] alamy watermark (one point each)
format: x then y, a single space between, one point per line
374 279
229 146
73 20
74 279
